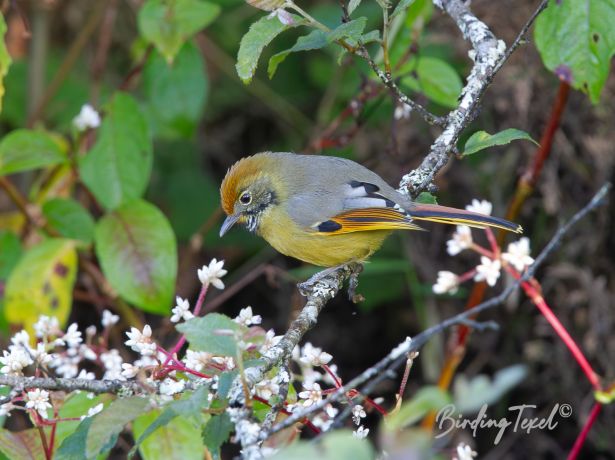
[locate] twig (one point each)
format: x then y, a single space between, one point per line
397 356
578 444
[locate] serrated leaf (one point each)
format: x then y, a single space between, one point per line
138 254
69 218
42 283
176 92
10 252
353 5
576 40
216 432
401 7
25 149
437 80
259 35
110 422
169 24
118 167
5 58
314 40
21 445
481 140
426 399
212 333
189 406
177 439
352 30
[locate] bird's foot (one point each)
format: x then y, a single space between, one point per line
353 284
353 269
307 286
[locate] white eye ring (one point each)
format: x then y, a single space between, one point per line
245 198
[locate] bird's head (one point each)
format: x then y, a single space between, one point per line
247 192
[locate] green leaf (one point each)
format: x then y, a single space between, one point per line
110 422
426 399
178 438
138 254
73 446
216 432
370 37
213 333
318 39
10 252
69 218
481 140
426 198
42 283
472 394
5 58
576 40
168 24
260 34
437 80
118 167
188 406
21 445
24 149
176 92
314 40
401 7
353 5
336 445
76 405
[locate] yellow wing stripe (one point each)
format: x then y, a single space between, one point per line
370 219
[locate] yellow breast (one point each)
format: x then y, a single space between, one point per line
285 236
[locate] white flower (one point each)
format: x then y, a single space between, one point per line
46 326
462 239
141 342
65 366
327 376
83 374
480 206
129 371
113 365
358 412
169 387
72 336
518 254
211 274
87 118
181 310
266 389
109 319
90 331
22 338
228 362
270 340
283 16
312 394
247 318
92 411
314 356
361 432
447 282
488 270
197 360
40 354
464 452
38 400
15 361
402 111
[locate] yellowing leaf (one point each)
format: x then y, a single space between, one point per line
42 283
5 59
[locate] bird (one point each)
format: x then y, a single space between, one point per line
325 210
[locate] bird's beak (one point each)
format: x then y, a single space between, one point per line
228 223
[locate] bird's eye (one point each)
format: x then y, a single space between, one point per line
245 198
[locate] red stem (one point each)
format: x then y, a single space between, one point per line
561 331
182 340
578 444
336 380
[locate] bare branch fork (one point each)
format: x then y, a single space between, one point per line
489 54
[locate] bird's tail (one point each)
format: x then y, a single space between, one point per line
453 216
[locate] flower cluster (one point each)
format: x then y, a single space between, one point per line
492 261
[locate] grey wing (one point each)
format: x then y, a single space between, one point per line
338 185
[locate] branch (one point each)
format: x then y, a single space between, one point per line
489 55
385 367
